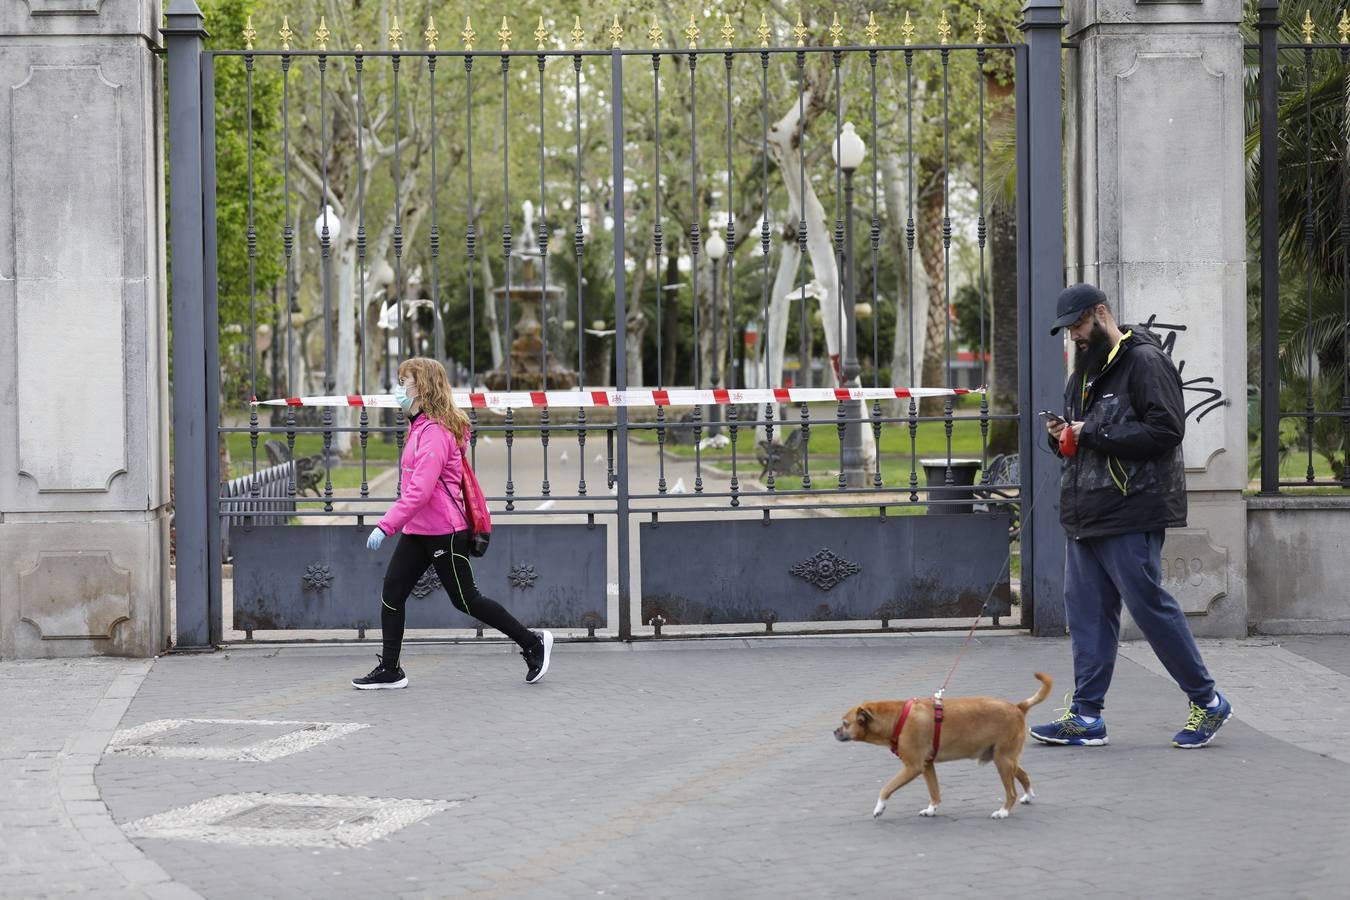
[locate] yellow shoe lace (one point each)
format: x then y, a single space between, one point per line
1066 711
1196 718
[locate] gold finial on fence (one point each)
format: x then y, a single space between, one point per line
764 31
1309 29
321 34
907 30
656 35
615 33
692 33
837 31
396 35
872 29
285 33
1344 27
431 35
468 35
979 27
728 31
799 31
540 34
944 30
359 49
578 33
504 35
250 33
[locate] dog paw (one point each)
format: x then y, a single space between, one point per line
1027 797
1000 813
929 810
878 809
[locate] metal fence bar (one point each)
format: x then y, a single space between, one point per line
184 36
211 320
695 241
1040 268
434 234
359 65
623 538
288 241
1268 25
326 254
543 266
1344 52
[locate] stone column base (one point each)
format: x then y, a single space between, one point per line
83 588
1204 566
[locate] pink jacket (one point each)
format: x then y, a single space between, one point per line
432 497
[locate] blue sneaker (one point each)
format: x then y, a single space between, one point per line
1202 724
1071 728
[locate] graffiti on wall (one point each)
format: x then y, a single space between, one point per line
1201 395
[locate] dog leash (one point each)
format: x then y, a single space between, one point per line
937 696
1036 494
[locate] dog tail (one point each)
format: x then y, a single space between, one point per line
1040 695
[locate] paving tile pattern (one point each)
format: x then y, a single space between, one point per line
709 770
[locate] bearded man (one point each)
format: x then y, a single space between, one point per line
1123 482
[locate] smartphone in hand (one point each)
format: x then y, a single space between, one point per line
1052 416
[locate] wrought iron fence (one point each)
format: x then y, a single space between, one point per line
664 180
259 498
1299 148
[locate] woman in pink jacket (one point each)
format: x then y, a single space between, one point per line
429 518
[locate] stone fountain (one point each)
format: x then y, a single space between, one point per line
530 369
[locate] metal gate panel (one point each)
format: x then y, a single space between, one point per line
824 569
323 577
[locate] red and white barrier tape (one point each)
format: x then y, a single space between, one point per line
636 398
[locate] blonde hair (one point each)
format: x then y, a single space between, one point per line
433 392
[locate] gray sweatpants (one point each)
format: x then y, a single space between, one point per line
1098 574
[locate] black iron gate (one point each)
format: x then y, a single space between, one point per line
694 503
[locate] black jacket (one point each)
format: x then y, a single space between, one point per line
1128 475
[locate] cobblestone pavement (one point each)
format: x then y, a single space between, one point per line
656 770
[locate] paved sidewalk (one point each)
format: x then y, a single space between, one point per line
57 837
656 770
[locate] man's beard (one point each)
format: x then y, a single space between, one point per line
1088 361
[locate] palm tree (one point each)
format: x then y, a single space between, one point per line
1314 227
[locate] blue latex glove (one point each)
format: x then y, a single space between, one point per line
375 540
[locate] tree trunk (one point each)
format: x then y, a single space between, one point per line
911 309
636 336
344 368
824 266
774 343
931 251
1003 290
667 356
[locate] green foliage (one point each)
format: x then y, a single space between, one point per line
700 180
243 284
1314 112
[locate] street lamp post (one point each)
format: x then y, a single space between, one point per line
716 248
326 229
848 152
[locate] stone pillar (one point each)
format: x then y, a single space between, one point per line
83 372
1156 218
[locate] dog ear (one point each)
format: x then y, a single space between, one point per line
864 716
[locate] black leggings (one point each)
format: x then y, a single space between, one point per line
449 554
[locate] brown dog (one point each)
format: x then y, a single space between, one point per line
982 728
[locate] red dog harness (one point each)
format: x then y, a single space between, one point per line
937 726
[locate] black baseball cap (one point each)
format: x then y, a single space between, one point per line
1073 301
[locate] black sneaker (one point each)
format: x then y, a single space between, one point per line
382 677
537 659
